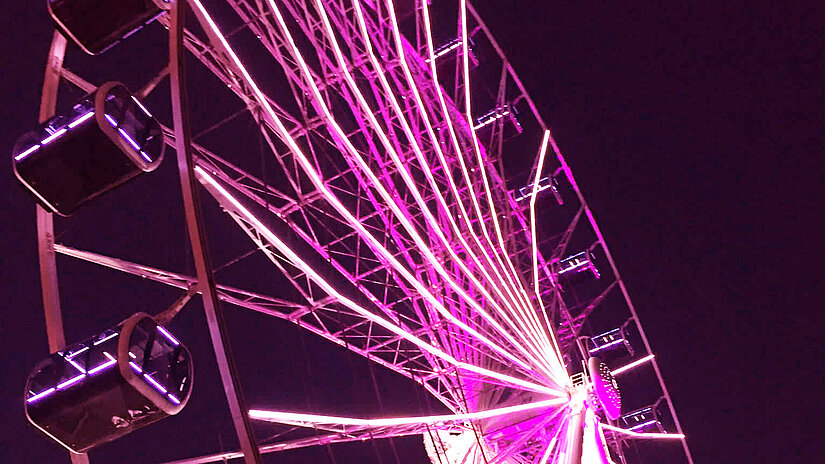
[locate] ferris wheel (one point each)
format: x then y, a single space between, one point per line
415 206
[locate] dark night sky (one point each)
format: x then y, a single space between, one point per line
696 133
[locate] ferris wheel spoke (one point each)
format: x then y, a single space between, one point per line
335 202
401 168
255 235
481 163
309 420
513 282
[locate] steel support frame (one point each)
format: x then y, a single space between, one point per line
197 238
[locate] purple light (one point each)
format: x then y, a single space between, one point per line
76 365
81 120
27 152
53 136
129 139
173 398
136 367
111 120
103 366
168 336
145 156
107 338
643 424
71 381
154 383
40 395
607 345
142 107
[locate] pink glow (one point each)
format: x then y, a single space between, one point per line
468 182
53 136
402 169
311 419
633 364
362 231
480 160
560 372
299 263
536 334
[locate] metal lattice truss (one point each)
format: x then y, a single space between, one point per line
386 208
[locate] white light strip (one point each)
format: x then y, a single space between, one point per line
109 337
102 366
40 395
362 231
141 106
560 377
518 297
155 383
606 345
654 436
81 120
480 160
298 418
633 364
27 152
168 336
53 136
71 381
76 365
436 145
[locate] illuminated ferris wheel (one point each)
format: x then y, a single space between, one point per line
387 186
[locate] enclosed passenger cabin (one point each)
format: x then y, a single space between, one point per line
108 138
97 25
108 385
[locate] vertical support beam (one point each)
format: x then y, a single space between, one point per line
576 428
197 239
45 221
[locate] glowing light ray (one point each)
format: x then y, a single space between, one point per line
649 436
402 169
362 231
638 362
307 420
329 289
456 145
436 145
458 150
481 164
534 235
520 295
216 36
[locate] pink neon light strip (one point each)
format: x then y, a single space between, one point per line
477 149
510 272
633 364
534 235
433 71
436 145
308 419
652 436
410 184
375 244
328 288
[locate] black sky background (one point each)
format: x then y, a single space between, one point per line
695 131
